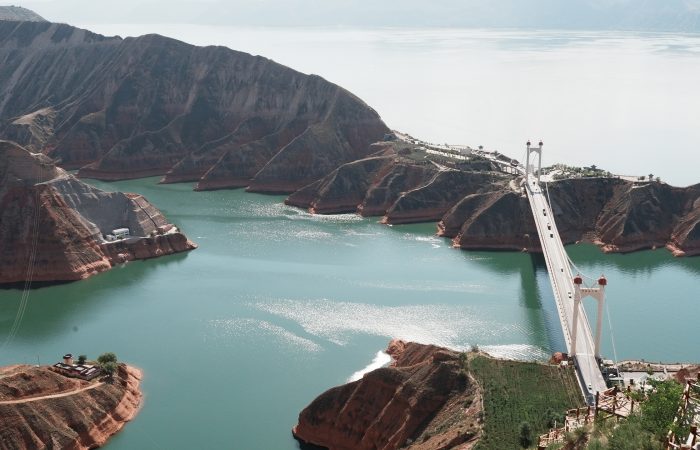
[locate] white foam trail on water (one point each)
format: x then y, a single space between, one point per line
426 286
451 326
312 235
523 352
434 241
254 328
381 359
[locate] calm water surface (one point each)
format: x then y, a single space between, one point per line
277 305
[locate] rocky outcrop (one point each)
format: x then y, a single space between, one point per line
499 220
128 108
42 409
344 190
398 188
651 215
52 225
422 401
429 202
619 216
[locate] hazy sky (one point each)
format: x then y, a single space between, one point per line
621 14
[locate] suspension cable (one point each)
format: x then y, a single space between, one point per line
612 336
571 262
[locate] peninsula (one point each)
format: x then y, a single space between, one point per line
42 407
432 398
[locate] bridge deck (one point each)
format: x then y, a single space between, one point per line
561 278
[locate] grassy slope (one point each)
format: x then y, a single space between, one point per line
520 391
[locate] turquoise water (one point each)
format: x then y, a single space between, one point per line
277 305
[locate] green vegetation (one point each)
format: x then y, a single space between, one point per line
109 368
82 359
526 439
659 410
108 363
565 171
521 391
631 435
645 430
107 357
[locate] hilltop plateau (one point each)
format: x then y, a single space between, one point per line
43 409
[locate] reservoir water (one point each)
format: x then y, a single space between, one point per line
277 305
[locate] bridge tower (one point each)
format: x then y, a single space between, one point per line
597 293
537 150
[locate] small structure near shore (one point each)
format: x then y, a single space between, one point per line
68 368
118 234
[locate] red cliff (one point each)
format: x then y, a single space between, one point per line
412 404
619 216
52 226
42 409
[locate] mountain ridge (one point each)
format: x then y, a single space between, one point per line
128 108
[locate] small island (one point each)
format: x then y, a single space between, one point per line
76 404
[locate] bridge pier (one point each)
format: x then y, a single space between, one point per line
597 293
537 150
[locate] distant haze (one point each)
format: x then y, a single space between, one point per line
656 15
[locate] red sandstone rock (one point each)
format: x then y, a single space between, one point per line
56 222
557 358
79 421
617 215
390 407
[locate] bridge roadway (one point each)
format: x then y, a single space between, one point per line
560 276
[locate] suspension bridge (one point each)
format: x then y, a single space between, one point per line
569 290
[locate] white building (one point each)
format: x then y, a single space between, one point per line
120 233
